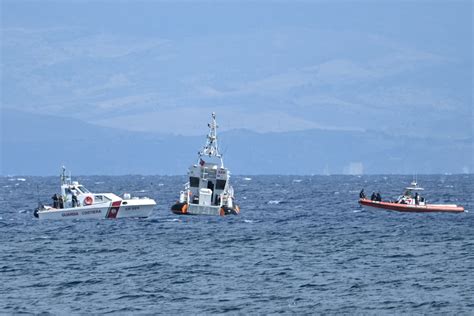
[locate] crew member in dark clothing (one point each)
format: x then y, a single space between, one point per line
61 201
378 197
55 200
417 198
362 194
75 202
373 197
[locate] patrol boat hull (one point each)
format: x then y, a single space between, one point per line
449 208
117 209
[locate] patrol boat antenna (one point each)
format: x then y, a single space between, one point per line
65 177
211 149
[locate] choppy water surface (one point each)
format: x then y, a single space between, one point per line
301 245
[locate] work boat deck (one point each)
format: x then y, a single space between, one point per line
75 201
411 201
208 191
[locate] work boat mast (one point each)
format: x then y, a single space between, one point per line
211 149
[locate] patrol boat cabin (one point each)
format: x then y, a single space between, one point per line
412 195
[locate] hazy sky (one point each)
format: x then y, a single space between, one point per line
402 67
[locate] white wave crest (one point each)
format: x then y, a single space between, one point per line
274 202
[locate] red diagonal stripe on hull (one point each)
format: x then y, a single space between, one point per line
114 209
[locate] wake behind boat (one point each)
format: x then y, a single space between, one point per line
208 191
410 201
75 201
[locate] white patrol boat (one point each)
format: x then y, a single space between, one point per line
208 191
75 201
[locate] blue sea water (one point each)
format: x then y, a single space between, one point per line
301 245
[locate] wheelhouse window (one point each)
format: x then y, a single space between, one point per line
82 189
194 182
220 184
101 198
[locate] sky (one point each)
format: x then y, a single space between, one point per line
395 67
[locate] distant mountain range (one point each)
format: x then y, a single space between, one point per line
34 144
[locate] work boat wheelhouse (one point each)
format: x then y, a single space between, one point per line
75 201
208 191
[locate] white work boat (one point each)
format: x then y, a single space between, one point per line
208 191
75 201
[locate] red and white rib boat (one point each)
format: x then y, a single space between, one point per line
409 202
452 208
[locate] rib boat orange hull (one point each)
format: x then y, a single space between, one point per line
412 208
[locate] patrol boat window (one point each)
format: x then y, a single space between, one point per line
82 189
101 198
194 182
220 184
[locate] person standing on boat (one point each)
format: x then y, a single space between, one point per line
378 197
55 200
75 202
373 197
362 194
417 198
61 201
